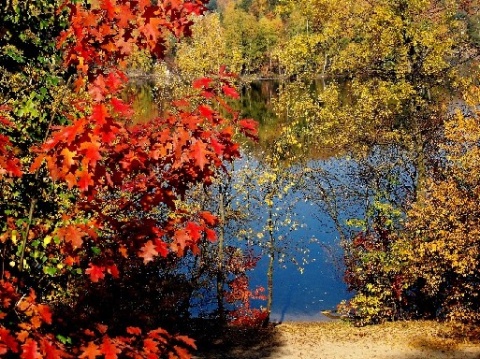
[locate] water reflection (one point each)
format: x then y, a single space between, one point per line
320 193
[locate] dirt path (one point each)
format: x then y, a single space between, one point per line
339 340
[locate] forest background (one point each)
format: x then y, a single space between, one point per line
110 238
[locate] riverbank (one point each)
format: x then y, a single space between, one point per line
341 340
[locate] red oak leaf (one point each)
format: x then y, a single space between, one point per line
85 180
206 111
30 350
134 330
182 240
113 270
7 339
95 273
217 146
148 252
45 313
50 351
91 351
230 92
211 235
99 113
150 345
249 127
194 230
187 340
68 158
199 153
71 234
161 247
91 151
202 83
121 107
109 349
182 353
209 218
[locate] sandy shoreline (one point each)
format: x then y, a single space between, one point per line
341 340
337 340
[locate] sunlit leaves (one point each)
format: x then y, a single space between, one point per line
443 227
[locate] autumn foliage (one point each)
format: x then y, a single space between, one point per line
124 182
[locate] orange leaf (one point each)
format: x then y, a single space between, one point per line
91 351
71 234
91 151
50 351
102 328
36 322
187 340
37 163
22 335
109 349
182 353
148 252
209 218
199 152
68 158
45 313
85 180
134 330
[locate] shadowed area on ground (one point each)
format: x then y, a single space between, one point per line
215 341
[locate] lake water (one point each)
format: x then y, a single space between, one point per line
309 278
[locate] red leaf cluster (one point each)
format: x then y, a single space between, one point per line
118 170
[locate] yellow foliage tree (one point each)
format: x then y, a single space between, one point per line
443 231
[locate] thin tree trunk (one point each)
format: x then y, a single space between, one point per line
271 253
220 274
